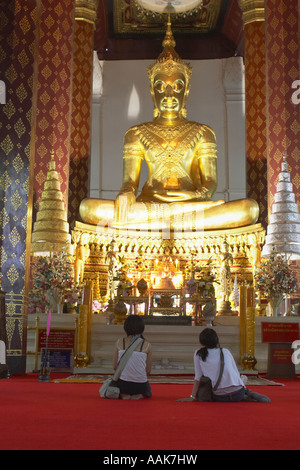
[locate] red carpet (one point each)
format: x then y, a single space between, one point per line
62 416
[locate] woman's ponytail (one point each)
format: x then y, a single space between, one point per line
203 352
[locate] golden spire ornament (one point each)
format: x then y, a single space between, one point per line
51 229
169 60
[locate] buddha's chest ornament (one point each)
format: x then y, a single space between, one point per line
168 147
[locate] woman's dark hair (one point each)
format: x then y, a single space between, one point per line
209 340
134 325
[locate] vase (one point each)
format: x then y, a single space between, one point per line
60 308
275 303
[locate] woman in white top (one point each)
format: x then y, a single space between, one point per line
207 362
133 382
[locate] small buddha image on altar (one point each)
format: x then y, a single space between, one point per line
166 274
166 286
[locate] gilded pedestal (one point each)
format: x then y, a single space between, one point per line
243 244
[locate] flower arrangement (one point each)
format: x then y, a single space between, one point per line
52 278
203 278
125 284
274 276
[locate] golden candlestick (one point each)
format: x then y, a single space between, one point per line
82 358
87 300
247 327
243 312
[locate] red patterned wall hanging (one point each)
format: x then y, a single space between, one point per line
256 140
81 117
283 66
54 93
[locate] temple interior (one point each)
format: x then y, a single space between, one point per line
149 166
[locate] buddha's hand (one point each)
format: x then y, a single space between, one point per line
176 196
184 196
123 203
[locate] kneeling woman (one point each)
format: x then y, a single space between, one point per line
133 382
207 362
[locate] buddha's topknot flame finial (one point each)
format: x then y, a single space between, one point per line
169 58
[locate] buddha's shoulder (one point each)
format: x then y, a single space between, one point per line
138 132
132 133
206 131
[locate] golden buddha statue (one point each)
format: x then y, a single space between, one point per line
182 163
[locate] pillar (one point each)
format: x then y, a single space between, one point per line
85 16
283 69
256 104
54 95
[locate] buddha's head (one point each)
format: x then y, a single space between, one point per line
169 80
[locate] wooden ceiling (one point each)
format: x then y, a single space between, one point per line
123 32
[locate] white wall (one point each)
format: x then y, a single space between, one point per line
123 99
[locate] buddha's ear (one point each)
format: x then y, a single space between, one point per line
156 112
183 113
151 92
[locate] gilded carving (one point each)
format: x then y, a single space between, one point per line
253 10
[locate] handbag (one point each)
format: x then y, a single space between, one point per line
205 391
109 388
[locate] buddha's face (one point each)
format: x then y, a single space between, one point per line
169 93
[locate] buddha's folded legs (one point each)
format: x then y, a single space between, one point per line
208 215
94 211
231 214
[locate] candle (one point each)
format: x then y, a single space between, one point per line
250 297
243 312
243 301
82 334
250 331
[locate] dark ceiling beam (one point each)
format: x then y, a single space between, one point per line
233 26
216 46
101 27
